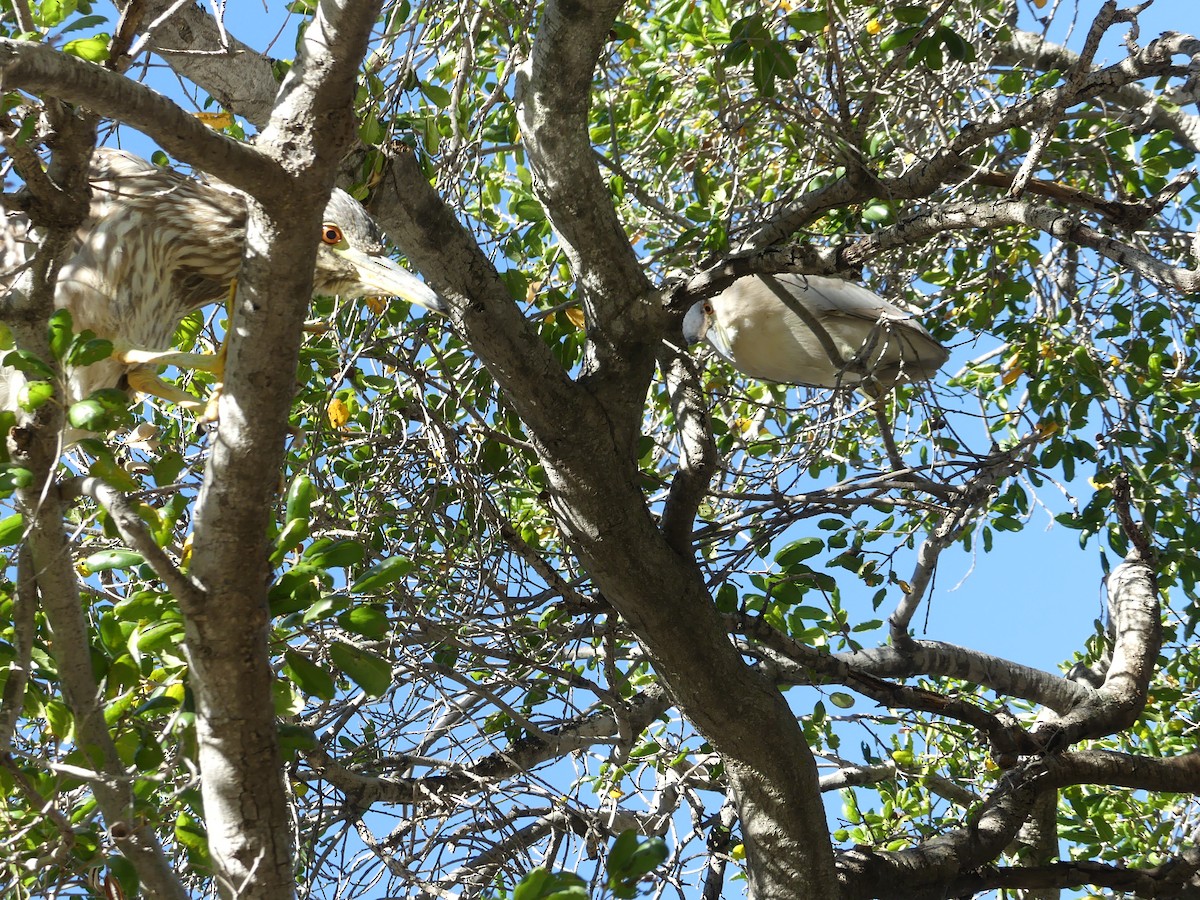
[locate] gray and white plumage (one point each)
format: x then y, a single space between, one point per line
823 332
157 245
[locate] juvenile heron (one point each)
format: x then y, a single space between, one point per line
157 245
822 332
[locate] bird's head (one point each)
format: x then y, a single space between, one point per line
697 322
352 262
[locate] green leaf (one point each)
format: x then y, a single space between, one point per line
107 560
622 851
85 351
93 49
82 23
369 671
24 361
898 39
532 885
49 13
155 636
166 469
312 679
841 700
60 332
811 22
88 415
13 477
34 394
382 574
12 528
110 472
331 554
369 621
877 212
293 535
439 95
300 496
911 15
798 551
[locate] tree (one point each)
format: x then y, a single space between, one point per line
444 610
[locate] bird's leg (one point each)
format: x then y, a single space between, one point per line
142 379
141 376
201 362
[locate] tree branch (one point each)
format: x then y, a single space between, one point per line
946 165
39 69
236 75
244 799
1144 108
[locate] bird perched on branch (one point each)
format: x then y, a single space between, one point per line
822 332
157 245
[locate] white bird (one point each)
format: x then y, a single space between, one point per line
816 331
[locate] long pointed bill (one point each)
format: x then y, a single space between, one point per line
379 275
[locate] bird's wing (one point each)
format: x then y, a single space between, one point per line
834 295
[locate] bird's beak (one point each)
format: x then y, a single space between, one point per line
379 275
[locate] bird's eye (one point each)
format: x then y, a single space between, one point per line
331 234
708 308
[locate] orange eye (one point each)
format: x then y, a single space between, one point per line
331 234
708 308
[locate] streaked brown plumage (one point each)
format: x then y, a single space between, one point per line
157 244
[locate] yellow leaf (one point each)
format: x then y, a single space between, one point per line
531 290
738 852
905 586
175 691
873 27
338 412
376 305
575 315
185 552
217 120
1040 4
1011 370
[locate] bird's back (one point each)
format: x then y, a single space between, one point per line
818 328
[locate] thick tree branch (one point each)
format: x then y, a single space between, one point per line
697 451
929 868
244 798
24 622
236 75
553 92
1136 623
39 69
1004 677
433 239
